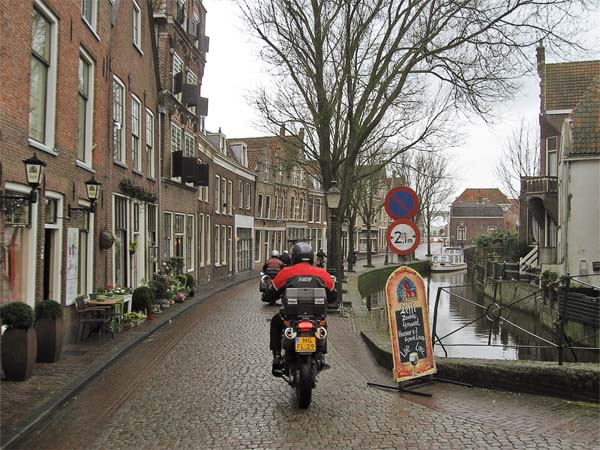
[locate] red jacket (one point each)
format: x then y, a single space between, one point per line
301 269
273 263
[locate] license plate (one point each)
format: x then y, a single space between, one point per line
306 344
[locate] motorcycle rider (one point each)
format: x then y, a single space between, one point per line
302 266
321 255
285 258
274 262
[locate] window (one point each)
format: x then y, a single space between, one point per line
551 156
192 79
136 154
179 232
230 197
268 207
257 245
293 208
491 228
42 93
223 244
260 205
175 138
137 26
152 240
318 210
217 245
85 109
223 195
311 216
88 12
120 250
189 243
241 194
461 233
217 194
168 217
118 121
266 244
149 144
201 237
208 241
190 144
177 69
266 165
283 210
276 207
248 196
301 214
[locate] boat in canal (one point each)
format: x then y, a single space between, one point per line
449 260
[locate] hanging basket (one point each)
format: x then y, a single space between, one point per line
106 240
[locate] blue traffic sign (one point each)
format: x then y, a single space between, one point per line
401 202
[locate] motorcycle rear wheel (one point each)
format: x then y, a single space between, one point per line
304 385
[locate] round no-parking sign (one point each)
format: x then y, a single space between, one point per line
403 237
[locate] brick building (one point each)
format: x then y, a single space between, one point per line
469 219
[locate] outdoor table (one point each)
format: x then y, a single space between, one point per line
116 312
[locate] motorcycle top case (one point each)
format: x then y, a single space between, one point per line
308 302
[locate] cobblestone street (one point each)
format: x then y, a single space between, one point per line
204 382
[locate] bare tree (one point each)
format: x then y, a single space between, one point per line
520 158
355 74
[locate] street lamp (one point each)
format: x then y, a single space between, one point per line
92 188
34 169
333 196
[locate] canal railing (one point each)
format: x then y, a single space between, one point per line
503 270
583 307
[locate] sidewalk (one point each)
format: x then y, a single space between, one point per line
23 404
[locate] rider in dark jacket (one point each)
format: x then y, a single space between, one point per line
285 258
302 265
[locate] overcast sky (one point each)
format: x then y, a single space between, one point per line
233 70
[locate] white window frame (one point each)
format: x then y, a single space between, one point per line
461 233
266 167
137 30
492 228
224 195
230 197
48 143
318 209
58 255
259 205
248 196
149 138
268 207
136 160
217 194
208 240
177 62
240 194
192 240
189 145
554 155
170 237
119 126
217 245
93 20
201 238
223 245
89 110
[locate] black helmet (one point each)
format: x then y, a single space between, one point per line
302 252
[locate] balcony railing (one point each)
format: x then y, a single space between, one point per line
539 185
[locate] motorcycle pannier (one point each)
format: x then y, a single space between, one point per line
305 302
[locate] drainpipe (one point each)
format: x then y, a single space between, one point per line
161 114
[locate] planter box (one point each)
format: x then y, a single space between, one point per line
19 351
49 334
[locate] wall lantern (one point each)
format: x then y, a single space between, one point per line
92 188
34 169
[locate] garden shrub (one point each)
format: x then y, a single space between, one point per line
143 299
48 309
17 315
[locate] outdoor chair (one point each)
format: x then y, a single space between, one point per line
91 317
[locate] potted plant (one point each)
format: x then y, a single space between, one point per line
133 245
100 294
19 343
143 300
179 297
49 330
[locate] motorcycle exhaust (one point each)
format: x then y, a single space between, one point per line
321 333
290 333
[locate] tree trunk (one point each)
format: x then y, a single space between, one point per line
350 257
369 244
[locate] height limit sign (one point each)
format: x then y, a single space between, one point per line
401 204
403 237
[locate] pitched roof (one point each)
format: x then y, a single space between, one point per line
476 209
493 195
586 122
566 83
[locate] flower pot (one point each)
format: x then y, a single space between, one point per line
100 297
49 334
19 350
150 315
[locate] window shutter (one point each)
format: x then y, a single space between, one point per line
204 43
202 106
177 82
188 164
201 174
176 163
191 93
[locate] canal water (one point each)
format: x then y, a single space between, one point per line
475 339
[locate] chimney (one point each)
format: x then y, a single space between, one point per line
282 131
301 134
541 70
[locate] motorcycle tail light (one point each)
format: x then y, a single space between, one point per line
323 323
305 325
